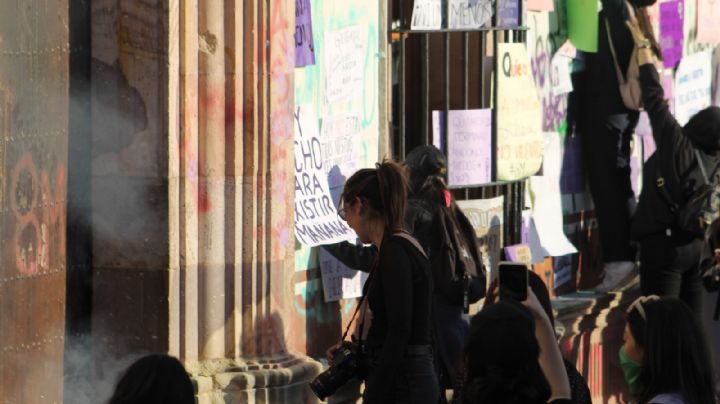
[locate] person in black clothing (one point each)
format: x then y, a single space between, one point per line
427 168
578 385
669 257
512 356
598 115
399 289
156 378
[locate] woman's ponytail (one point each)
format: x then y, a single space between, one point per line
392 185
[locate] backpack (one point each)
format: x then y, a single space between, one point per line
456 260
695 214
629 83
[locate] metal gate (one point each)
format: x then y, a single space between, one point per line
33 162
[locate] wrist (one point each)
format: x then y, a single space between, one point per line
643 44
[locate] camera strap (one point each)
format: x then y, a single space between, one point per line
361 304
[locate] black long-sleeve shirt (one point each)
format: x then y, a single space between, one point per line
400 296
674 155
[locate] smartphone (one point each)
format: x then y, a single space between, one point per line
513 280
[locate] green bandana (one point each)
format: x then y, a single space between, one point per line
631 369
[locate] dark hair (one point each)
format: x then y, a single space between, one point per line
383 189
157 379
536 285
677 357
425 163
502 357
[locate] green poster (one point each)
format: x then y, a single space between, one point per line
582 20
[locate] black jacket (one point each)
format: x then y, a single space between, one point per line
674 160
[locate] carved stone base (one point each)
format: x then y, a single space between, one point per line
277 379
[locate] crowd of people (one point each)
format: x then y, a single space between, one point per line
508 352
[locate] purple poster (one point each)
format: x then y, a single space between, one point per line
304 47
469 145
671 32
668 84
507 13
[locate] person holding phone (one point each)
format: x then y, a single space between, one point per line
512 356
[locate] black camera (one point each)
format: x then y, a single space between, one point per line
347 363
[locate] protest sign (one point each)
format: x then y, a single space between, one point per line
316 219
508 13
671 32
426 15
344 59
304 47
582 21
519 135
529 237
708 18
469 160
339 281
540 5
518 253
692 85
487 218
547 202
550 70
340 140
469 14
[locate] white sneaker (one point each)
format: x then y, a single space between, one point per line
618 276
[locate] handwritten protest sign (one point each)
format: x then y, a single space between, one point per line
339 281
508 13
304 47
340 140
316 219
547 202
692 85
469 14
487 218
708 16
582 20
469 160
344 58
426 15
671 32
519 117
518 253
529 237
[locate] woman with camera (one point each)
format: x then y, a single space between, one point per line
399 290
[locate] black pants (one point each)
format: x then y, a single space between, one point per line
606 156
415 382
668 269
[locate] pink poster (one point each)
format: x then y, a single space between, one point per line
540 5
469 145
708 21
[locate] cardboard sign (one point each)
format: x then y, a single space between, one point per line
692 85
519 116
467 14
487 218
426 15
469 145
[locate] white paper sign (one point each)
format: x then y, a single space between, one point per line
344 59
692 85
427 14
341 142
487 217
466 14
560 76
316 219
339 281
547 201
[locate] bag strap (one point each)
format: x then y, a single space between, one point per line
361 305
404 234
701 165
618 72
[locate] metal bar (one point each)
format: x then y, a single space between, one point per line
447 93
483 44
425 89
447 30
401 98
466 68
